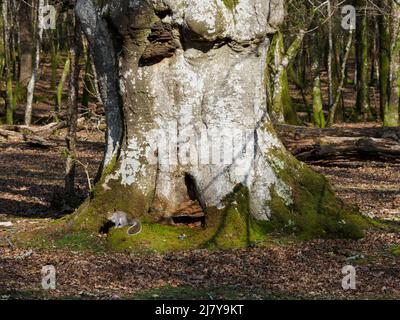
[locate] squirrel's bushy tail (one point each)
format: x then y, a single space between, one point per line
135 228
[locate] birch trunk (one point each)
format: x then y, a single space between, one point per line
32 81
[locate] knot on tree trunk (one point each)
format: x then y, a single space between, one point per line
161 44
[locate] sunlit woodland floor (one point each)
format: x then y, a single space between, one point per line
281 269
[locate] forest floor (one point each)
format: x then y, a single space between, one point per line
280 269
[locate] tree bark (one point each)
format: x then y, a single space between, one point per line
104 57
384 56
72 113
32 81
391 116
26 41
363 103
196 127
318 104
333 110
282 110
330 56
60 86
10 105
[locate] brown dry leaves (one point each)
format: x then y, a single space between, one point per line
309 269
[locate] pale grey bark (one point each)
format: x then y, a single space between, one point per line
32 81
101 47
184 68
332 111
72 112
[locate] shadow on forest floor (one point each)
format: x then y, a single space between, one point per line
31 177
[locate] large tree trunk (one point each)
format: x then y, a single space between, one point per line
196 130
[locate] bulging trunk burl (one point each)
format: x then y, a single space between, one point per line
189 126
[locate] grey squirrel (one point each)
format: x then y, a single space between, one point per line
121 219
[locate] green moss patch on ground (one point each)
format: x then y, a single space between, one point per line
80 241
57 236
231 227
153 237
395 250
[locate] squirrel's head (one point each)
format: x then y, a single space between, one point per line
110 215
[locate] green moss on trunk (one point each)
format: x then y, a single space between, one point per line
315 211
231 4
363 104
280 101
